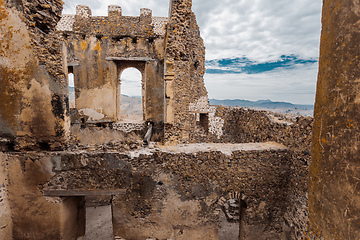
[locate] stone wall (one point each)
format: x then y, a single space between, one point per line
33 111
99 48
161 192
33 216
241 125
185 67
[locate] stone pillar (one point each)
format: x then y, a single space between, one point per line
334 200
169 92
82 18
146 16
83 11
114 10
185 57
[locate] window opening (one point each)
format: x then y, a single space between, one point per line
71 87
131 107
204 121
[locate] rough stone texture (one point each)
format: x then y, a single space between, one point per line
33 112
185 67
100 48
245 125
242 125
168 192
334 201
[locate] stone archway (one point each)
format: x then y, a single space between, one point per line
121 66
131 89
152 82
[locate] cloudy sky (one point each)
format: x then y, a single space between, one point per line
255 49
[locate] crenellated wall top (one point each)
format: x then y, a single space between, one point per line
145 22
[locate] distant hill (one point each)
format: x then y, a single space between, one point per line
131 106
259 104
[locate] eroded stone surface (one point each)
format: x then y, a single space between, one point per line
333 186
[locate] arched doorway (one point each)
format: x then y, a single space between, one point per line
131 89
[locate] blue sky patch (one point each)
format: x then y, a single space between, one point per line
244 65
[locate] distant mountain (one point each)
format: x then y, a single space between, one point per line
268 104
131 106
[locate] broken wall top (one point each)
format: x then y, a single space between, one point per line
114 24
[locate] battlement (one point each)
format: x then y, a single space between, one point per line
84 11
113 24
114 10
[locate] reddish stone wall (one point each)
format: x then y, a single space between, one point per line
33 111
334 172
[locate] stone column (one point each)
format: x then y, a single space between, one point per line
334 200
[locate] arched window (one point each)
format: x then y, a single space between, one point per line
131 107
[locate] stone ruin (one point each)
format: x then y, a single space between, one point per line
209 172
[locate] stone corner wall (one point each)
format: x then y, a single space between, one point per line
241 125
185 68
33 109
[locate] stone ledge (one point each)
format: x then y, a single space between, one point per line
69 193
225 148
140 59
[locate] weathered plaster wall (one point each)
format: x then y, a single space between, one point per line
33 111
334 201
185 67
172 192
33 216
100 48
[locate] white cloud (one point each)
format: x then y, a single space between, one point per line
259 29
131 82
295 85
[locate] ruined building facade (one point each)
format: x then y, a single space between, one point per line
168 51
209 173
